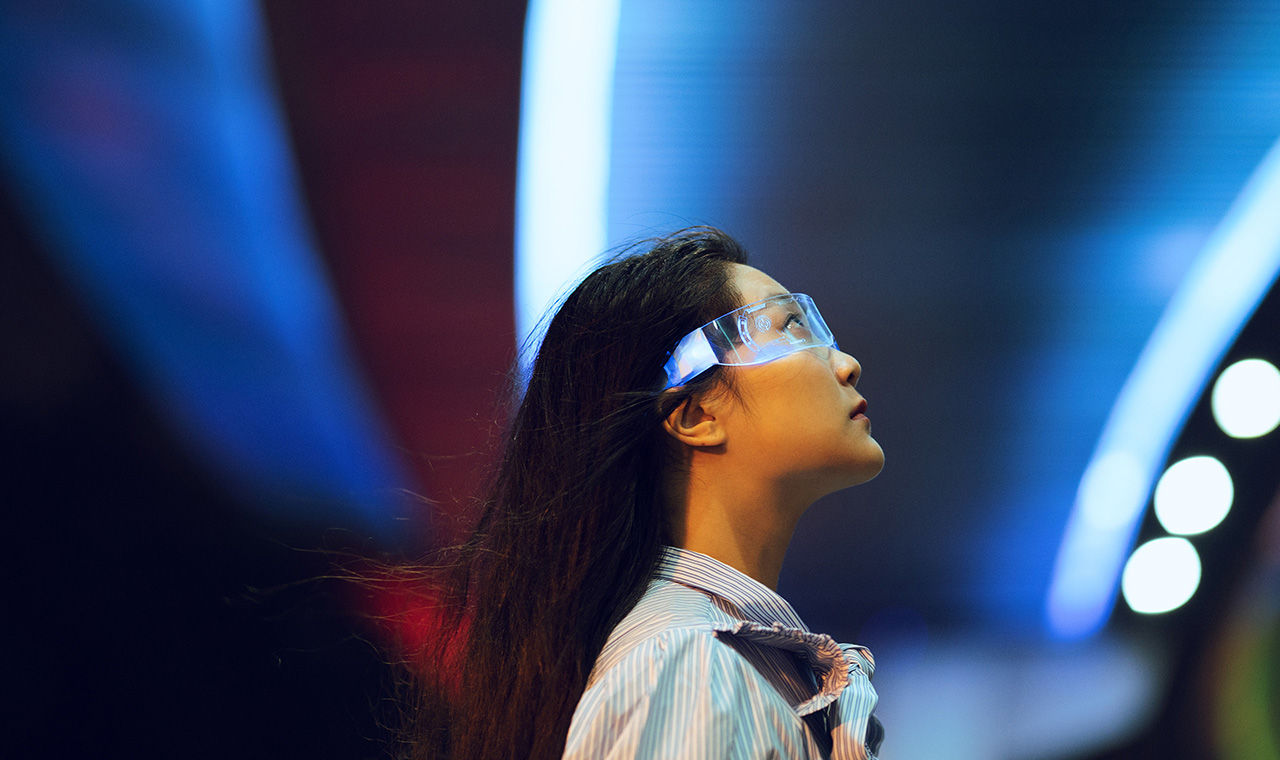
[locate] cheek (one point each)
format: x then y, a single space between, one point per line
802 422
794 403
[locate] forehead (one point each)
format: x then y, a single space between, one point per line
754 285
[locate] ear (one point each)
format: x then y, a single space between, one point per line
694 423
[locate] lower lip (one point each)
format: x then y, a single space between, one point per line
860 416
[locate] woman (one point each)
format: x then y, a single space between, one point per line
617 598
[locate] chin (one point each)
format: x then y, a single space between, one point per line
867 467
842 470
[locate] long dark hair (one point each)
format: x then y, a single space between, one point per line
573 525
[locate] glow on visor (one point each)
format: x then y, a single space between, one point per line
753 334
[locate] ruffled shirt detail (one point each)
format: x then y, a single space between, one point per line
825 684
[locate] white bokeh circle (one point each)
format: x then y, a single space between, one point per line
1161 575
1246 398
1193 495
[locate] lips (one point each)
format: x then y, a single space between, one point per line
859 411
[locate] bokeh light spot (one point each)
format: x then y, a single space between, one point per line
1246 398
1193 495
1161 575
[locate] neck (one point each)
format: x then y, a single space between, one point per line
744 524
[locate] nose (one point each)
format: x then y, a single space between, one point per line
847 368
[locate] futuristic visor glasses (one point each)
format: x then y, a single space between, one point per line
753 334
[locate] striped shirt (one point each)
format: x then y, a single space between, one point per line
713 664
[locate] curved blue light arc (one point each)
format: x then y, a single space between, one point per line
1223 288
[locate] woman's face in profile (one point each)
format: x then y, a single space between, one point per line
800 421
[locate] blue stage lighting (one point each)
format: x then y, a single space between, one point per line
562 179
1223 288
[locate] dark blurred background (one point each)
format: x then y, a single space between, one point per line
261 300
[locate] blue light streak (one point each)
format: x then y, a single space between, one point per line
1223 288
562 180
156 169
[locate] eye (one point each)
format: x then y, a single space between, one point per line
794 327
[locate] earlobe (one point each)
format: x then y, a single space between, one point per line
693 424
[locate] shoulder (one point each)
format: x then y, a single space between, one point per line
680 689
678 654
665 607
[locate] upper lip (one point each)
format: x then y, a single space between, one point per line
861 408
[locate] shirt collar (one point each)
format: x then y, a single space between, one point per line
749 598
